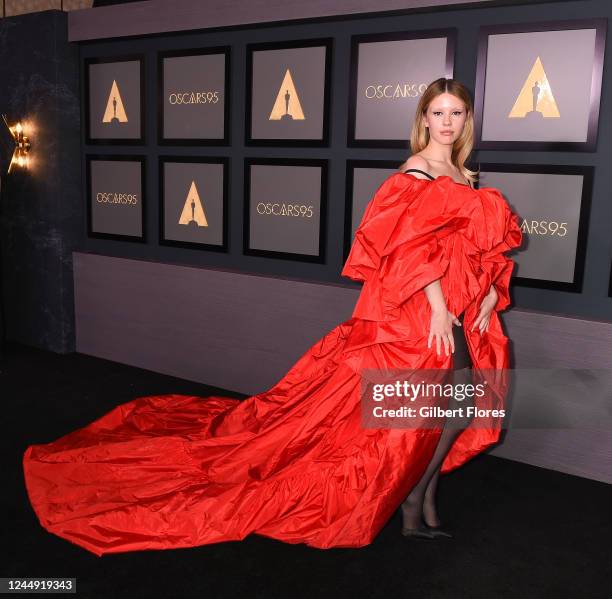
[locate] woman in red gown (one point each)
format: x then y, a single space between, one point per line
294 462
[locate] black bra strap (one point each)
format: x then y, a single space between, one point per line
419 171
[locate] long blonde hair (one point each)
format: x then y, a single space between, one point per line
419 136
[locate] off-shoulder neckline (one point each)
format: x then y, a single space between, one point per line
439 177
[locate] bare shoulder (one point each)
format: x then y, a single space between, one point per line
418 162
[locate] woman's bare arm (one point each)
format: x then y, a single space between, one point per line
434 294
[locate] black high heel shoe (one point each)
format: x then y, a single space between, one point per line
422 532
438 532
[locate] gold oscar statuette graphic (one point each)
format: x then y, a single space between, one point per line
193 213
535 99
287 106
115 111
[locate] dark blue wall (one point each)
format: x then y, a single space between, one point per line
41 208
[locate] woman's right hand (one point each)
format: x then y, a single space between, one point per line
441 329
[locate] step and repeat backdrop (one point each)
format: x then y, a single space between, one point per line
160 138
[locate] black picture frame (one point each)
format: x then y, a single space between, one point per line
450 33
201 141
162 240
89 158
85 79
318 162
587 173
597 23
328 43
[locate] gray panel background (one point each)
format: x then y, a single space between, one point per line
116 176
567 58
209 183
404 62
214 339
299 185
550 197
365 183
307 69
201 73
127 76
593 302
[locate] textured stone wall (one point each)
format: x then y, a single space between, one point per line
41 212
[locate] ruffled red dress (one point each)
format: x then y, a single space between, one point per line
294 463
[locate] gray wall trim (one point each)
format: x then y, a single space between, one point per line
242 332
161 16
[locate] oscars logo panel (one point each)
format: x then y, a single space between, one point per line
114 100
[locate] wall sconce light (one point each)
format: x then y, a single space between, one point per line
22 146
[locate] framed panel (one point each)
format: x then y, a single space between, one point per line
116 197
193 96
363 178
385 85
288 92
538 85
114 100
553 203
193 207
285 208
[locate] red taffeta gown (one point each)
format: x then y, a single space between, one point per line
294 463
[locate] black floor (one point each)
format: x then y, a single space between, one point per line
521 531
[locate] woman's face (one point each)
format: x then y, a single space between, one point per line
445 113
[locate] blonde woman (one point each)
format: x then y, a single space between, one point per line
441 141
296 462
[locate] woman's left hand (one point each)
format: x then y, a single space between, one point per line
486 307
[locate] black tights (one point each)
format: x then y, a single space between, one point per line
420 504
